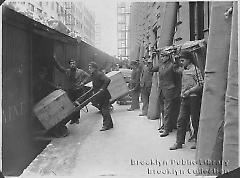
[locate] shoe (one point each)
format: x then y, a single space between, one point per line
106 128
194 146
130 109
164 134
142 114
75 121
161 131
192 139
111 109
161 128
176 146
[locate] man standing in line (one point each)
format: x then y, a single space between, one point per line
77 78
146 84
135 86
170 88
100 83
192 84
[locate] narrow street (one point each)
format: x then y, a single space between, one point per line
89 152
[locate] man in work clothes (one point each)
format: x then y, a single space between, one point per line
146 84
192 84
135 86
170 88
100 83
77 78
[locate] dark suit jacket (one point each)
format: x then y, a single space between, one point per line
169 80
101 81
135 79
146 78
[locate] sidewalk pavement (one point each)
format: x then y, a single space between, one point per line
133 148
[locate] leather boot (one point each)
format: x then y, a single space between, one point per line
164 134
176 146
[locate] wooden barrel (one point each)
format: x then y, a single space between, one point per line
117 87
54 108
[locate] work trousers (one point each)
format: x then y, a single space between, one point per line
105 111
171 111
190 106
73 95
145 93
135 99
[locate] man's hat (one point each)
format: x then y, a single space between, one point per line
133 63
71 60
187 55
149 61
164 53
93 65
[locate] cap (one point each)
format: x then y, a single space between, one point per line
133 62
187 55
94 65
149 61
164 53
71 60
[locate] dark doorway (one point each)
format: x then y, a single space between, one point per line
42 55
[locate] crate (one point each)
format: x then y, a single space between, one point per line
53 108
117 87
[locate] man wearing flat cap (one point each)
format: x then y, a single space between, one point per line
146 84
100 83
135 86
77 79
170 88
191 95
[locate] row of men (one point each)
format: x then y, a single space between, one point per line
77 79
180 91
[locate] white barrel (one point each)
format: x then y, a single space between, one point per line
53 108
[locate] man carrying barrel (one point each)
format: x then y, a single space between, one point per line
170 88
100 83
77 78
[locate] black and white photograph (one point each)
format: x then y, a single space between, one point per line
119 88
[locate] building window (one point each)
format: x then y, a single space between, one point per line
39 11
122 9
121 19
122 52
12 3
31 7
62 10
57 7
40 4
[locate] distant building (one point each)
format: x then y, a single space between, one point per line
123 14
146 18
78 19
98 36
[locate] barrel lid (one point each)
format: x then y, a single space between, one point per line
49 99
